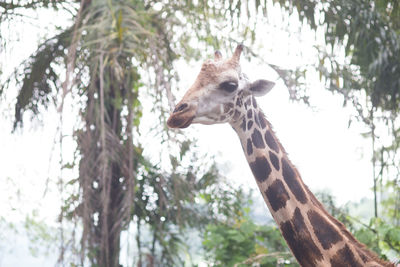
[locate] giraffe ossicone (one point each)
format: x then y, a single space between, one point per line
221 93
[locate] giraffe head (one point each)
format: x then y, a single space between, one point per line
217 94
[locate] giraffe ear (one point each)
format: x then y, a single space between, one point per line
261 87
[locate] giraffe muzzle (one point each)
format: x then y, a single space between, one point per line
182 116
179 122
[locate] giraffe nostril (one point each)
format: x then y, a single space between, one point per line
180 107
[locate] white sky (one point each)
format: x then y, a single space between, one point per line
329 155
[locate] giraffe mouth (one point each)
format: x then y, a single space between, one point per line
179 121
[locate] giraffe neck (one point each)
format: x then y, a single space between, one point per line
313 235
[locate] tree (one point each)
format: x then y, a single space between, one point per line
113 54
237 240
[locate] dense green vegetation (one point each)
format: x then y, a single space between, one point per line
117 55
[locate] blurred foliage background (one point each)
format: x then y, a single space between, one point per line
116 55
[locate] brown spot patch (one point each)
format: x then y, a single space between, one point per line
263 122
274 160
237 115
293 182
269 138
243 125
325 232
248 103
345 257
277 195
362 254
239 102
261 169
249 114
227 107
249 125
254 102
256 119
300 242
249 147
257 139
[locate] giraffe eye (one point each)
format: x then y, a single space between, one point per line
228 86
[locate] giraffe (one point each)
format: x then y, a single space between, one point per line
223 94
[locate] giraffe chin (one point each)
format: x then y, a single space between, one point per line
174 122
